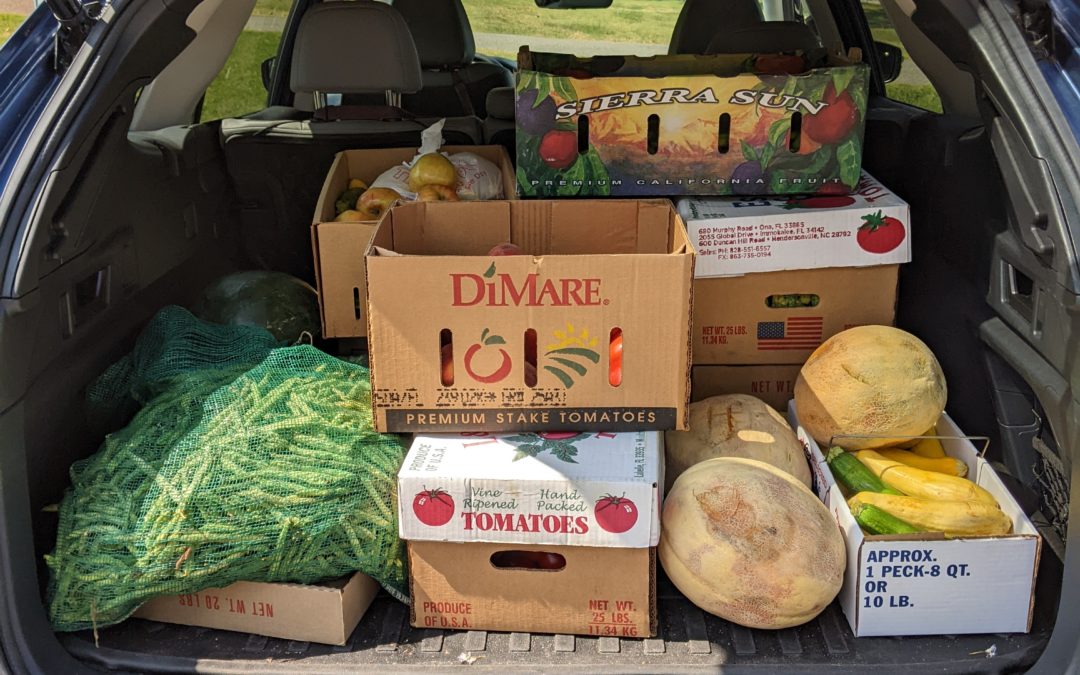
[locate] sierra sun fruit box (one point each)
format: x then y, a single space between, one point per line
725 124
587 330
520 532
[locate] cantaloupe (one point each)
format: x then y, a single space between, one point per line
747 542
877 384
735 425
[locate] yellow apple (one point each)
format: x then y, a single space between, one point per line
432 169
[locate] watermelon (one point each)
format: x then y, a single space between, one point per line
282 304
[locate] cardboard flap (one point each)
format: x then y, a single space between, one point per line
449 228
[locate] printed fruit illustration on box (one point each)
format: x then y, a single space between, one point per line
680 125
433 507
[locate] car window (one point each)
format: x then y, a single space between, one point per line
911 86
641 27
238 89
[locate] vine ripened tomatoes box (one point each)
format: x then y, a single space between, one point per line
723 124
559 488
742 235
587 330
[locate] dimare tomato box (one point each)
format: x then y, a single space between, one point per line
740 236
688 124
780 318
583 590
588 331
925 584
339 247
326 612
558 488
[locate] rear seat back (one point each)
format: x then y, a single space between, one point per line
499 123
278 158
454 82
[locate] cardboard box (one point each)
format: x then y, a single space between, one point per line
561 488
599 591
326 613
741 236
339 247
774 384
756 319
926 584
687 124
591 267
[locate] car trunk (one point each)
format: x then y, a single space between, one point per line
149 219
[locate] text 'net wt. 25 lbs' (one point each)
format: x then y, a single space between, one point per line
245 461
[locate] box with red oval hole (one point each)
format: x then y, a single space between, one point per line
588 329
558 488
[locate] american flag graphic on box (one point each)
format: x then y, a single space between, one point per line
796 332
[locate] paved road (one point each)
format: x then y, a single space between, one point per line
495 42
16 6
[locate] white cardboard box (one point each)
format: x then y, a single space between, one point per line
929 585
550 488
740 236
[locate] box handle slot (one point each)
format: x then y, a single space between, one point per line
723 134
792 300
795 133
615 357
446 357
583 134
530 357
652 140
358 309
528 560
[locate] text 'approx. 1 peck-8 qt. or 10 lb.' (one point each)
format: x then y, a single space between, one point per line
245 462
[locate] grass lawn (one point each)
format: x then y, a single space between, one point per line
641 21
8 24
238 88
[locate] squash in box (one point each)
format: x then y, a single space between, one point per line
735 425
877 384
747 542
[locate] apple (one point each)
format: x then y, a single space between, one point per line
375 201
350 216
432 169
506 248
437 193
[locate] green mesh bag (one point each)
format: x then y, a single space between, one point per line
245 462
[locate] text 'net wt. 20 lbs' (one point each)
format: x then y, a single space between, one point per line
245 461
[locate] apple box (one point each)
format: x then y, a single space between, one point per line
925 584
526 588
339 247
560 488
588 330
736 236
725 124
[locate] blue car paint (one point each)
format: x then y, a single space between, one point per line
27 81
1063 73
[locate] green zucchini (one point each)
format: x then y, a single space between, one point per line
877 521
853 474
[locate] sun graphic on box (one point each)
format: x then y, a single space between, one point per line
568 354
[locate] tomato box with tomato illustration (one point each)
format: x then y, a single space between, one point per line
562 487
588 329
724 124
740 236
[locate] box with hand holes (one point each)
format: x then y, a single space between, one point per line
587 331
686 124
521 532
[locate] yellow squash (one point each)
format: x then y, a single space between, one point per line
929 447
954 518
949 466
922 483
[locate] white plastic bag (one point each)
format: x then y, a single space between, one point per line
478 178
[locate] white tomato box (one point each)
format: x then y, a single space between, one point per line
771 234
556 488
926 584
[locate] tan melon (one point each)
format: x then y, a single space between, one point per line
870 381
735 425
747 542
